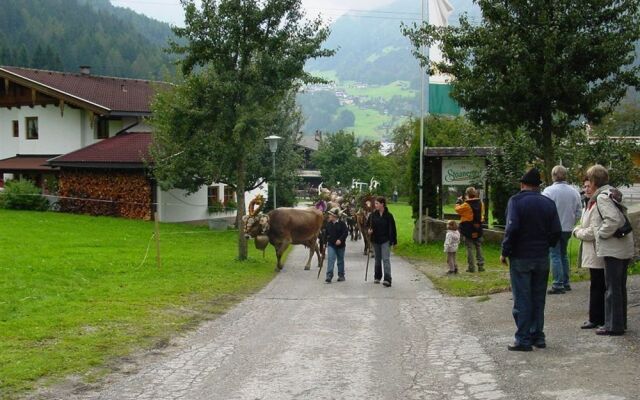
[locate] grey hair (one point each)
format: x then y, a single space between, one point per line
559 173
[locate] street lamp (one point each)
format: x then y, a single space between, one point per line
273 146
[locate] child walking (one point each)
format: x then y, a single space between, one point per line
451 242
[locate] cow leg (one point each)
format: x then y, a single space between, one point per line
312 250
279 252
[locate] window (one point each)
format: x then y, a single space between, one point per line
229 194
213 195
102 129
16 129
32 127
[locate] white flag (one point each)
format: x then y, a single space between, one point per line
439 12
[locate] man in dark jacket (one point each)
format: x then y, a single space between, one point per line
382 231
532 227
336 231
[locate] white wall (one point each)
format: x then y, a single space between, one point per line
176 206
56 134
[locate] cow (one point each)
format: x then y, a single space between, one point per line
362 219
285 226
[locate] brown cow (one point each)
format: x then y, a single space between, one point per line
285 226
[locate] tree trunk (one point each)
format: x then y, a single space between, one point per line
547 146
240 189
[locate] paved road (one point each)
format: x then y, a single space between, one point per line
300 338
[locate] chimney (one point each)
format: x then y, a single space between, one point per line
85 70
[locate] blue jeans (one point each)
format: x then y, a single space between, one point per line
334 254
560 262
529 286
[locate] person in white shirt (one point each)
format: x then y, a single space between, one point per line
569 207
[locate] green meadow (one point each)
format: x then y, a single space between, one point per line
77 292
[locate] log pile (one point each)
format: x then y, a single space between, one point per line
112 193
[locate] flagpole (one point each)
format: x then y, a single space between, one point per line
422 101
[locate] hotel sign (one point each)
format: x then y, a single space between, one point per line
462 171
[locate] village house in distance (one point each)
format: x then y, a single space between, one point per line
84 138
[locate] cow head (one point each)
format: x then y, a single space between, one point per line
254 225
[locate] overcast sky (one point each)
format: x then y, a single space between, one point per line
170 10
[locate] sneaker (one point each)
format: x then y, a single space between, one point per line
555 291
341 279
471 270
589 325
480 269
519 347
450 272
376 281
328 280
567 288
386 283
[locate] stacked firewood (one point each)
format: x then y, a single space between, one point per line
113 193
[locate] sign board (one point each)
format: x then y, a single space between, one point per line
462 171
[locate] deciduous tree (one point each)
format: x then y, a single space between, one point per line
539 64
241 60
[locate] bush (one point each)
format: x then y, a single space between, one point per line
23 195
230 205
216 207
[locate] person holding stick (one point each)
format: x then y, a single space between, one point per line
337 233
382 231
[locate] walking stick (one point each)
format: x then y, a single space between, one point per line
366 270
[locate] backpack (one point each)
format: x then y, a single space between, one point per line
616 197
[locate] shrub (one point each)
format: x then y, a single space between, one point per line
215 207
230 205
23 195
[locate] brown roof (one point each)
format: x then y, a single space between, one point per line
113 94
126 150
26 163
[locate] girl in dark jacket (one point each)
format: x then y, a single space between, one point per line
382 231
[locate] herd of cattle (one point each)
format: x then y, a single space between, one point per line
286 226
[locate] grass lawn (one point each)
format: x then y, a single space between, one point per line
369 123
75 295
386 92
431 260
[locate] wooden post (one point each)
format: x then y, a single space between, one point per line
157 236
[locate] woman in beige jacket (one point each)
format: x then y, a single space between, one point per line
617 252
590 260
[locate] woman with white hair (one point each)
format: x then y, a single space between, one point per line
616 248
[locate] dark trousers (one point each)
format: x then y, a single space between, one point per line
596 296
529 286
615 298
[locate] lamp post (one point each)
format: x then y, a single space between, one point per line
273 146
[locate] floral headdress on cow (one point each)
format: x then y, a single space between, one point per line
255 215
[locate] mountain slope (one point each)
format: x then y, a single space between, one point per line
371 47
64 34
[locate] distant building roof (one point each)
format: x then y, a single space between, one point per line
113 95
126 150
309 142
25 163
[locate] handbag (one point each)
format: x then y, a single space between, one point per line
625 229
